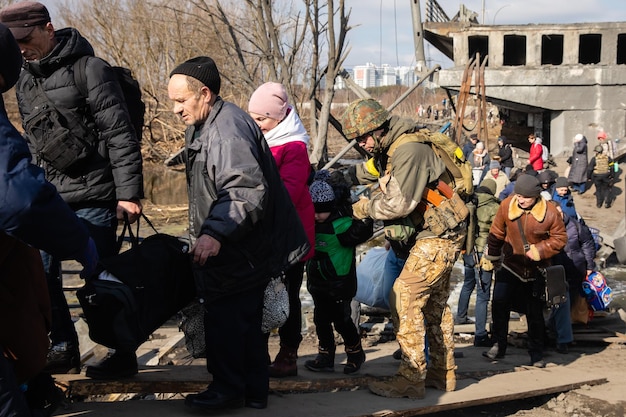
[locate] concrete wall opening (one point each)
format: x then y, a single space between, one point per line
478 44
621 49
514 50
551 49
589 48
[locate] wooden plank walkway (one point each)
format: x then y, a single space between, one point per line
360 402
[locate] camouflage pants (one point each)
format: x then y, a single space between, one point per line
419 307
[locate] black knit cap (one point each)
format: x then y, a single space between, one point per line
323 196
203 69
11 63
527 186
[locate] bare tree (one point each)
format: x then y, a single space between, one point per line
335 29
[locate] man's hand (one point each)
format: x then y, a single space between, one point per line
88 259
132 208
204 247
486 265
361 208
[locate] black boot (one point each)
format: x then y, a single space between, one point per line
356 357
119 365
324 362
63 358
285 363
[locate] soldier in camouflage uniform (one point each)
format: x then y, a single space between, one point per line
419 295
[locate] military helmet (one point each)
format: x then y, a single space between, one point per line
363 116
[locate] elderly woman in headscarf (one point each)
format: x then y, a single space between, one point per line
288 140
479 160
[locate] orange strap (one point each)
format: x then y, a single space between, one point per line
443 191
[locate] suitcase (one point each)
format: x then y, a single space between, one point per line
138 290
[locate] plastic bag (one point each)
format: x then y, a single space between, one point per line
275 304
372 290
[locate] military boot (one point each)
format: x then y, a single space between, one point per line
356 357
285 363
323 362
398 387
441 379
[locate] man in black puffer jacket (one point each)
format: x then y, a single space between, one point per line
103 181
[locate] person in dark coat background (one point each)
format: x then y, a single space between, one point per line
578 166
505 153
578 260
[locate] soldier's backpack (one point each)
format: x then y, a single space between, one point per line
458 168
129 85
452 191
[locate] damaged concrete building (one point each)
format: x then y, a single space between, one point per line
559 79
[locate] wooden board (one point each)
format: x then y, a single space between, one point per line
361 403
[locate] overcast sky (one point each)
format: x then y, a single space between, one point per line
390 20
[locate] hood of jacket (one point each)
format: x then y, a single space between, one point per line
70 46
397 127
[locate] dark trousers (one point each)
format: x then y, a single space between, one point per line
510 293
291 332
12 399
101 224
236 348
329 312
603 188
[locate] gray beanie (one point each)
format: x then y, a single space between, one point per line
561 182
203 69
323 196
527 186
11 63
488 185
494 165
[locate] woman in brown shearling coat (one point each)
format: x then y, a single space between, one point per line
516 284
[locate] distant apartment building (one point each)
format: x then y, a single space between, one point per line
370 75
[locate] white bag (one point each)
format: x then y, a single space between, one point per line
275 304
372 290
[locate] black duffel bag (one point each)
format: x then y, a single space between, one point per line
135 292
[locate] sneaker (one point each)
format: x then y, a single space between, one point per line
63 358
493 353
462 320
483 341
398 387
538 364
118 365
397 355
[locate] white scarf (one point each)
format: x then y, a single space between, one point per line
290 129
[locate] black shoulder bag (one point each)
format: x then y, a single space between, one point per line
60 136
555 289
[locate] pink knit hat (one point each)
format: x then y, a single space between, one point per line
270 100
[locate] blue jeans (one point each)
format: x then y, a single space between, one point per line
579 186
391 271
101 224
482 293
561 319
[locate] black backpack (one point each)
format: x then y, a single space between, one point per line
130 88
